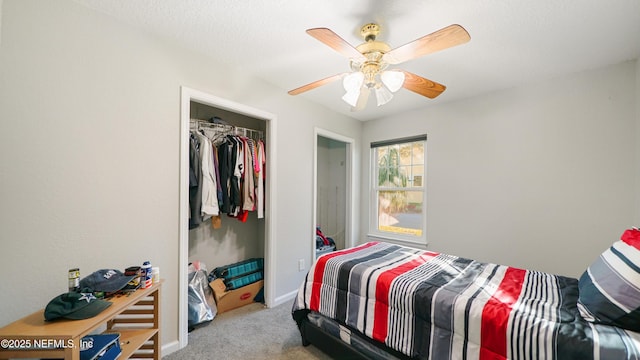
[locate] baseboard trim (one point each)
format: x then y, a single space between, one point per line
170 348
284 298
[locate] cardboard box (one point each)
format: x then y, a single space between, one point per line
228 300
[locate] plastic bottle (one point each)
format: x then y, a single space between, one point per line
155 271
74 279
146 280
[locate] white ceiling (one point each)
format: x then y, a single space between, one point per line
512 41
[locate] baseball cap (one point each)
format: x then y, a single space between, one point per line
75 306
106 280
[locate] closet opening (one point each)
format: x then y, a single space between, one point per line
240 227
333 192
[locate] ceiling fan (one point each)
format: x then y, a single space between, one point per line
370 60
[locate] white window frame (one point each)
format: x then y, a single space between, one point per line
374 188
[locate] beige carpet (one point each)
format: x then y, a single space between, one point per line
249 332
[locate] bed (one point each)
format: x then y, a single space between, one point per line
385 301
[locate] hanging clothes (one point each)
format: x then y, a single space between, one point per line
216 220
261 176
238 172
225 167
195 182
227 176
248 188
209 206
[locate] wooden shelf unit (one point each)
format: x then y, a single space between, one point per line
135 316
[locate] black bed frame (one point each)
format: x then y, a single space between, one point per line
335 348
313 335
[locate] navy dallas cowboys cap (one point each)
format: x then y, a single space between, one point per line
75 306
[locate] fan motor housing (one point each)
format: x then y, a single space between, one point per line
372 47
370 31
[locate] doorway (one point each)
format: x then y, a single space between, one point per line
333 188
188 96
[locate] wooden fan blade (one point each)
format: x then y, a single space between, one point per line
422 86
331 39
442 39
316 84
362 99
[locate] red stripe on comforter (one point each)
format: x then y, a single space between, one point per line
318 274
381 310
495 315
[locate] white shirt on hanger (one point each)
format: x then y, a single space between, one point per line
209 190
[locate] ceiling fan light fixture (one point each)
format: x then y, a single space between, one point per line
351 97
353 82
393 80
383 95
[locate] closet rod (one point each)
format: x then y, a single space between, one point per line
231 129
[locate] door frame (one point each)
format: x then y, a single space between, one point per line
188 95
349 235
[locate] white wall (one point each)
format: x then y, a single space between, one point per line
540 176
89 147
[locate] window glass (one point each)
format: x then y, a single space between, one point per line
399 190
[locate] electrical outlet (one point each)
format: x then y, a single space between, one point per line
300 264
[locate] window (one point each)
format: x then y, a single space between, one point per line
398 193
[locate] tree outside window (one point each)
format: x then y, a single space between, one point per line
398 188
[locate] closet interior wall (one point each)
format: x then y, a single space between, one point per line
235 240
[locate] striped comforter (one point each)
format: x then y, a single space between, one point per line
435 306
